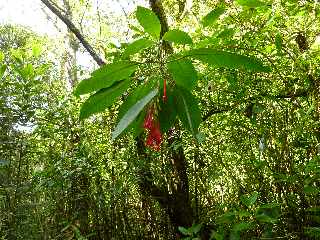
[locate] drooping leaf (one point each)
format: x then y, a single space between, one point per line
136 126
137 94
105 76
228 59
137 46
102 99
149 21
251 3
132 113
177 36
168 112
183 73
132 98
212 16
188 110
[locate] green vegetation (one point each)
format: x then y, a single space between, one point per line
207 128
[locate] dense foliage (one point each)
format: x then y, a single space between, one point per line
204 128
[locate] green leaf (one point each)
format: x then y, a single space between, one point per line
1 56
251 3
212 16
3 69
177 36
227 217
242 226
249 200
311 190
27 71
268 213
278 42
137 46
228 59
185 231
149 21
102 99
183 73
234 235
136 126
137 94
105 76
188 110
132 113
36 50
216 235
312 232
167 113
195 228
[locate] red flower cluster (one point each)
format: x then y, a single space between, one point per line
154 135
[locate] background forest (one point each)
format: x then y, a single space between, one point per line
197 120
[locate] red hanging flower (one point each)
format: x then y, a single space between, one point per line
154 137
164 97
147 124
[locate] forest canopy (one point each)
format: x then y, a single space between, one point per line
162 119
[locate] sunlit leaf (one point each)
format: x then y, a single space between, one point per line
251 3
105 76
1 56
102 99
137 94
137 46
212 16
149 21
132 113
177 36
228 59
183 73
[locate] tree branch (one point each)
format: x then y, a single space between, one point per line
75 31
290 95
157 8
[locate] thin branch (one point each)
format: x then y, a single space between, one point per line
75 31
213 111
